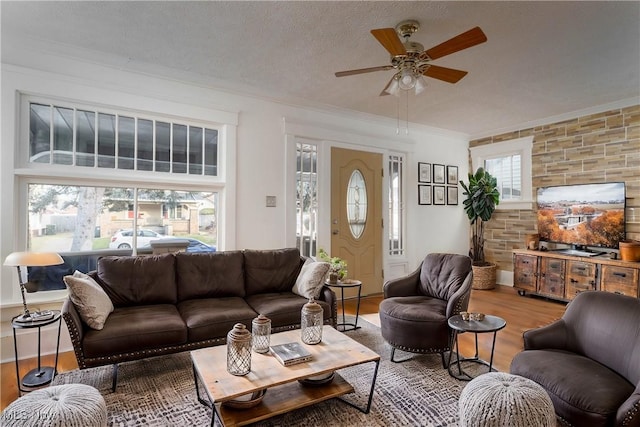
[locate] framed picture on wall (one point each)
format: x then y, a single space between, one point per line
424 172
438 195
452 195
438 174
452 175
424 194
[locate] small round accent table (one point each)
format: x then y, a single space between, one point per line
42 374
342 285
458 325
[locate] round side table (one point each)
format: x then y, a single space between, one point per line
342 286
41 375
458 325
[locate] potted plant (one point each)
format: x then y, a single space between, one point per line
337 266
482 197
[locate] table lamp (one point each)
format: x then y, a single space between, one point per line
30 259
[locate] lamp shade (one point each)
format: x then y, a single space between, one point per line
407 79
392 88
421 85
32 259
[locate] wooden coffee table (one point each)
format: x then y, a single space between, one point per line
284 392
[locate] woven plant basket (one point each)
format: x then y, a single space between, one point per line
484 277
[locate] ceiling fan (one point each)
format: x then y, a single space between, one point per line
411 60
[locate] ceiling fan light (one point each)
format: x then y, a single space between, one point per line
393 88
407 80
421 85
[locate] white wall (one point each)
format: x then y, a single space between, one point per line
258 130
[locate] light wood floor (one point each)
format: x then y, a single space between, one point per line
521 313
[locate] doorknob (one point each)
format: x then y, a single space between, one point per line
335 231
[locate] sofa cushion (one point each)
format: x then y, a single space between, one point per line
271 270
131 329
311 279
588 391
210 275
210 318
91 301
137 280
283 308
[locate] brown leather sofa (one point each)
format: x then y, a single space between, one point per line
175 302
589 360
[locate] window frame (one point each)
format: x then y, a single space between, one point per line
400 251
520 146
313 177
23 148
26 172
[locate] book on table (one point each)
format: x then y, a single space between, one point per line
290 353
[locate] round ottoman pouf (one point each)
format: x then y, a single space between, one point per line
499 399
67 405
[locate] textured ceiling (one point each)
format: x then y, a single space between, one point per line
542 59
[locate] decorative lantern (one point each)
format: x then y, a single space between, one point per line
239 350
261 331
311 322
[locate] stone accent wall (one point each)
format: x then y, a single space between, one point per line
602 147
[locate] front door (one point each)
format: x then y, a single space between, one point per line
356 215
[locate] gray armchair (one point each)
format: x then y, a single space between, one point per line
589 360
416 308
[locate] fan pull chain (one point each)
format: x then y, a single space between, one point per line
398 122
406 129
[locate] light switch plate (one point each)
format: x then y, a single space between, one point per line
271 201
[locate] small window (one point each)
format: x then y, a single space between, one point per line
510 163
306 198
508 171
357 204
396 206
81 137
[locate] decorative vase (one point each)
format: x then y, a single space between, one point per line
630 250
311 322
333 278
532 241
261 333
239 350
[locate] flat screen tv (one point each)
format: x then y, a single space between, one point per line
583 215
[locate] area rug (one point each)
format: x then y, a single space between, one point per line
160 392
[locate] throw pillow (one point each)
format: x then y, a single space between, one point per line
311 279
91 301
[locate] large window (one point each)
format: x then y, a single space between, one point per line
510 163
306 198
81 136
82 222
396 206
129 178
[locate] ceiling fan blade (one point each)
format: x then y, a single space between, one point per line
388 37
364 70
449 75
462 41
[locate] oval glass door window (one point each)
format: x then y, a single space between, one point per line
356 203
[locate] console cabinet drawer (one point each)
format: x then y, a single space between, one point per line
620 280
525 272
551 278
581 276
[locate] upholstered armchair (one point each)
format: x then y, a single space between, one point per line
416 308
589 360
